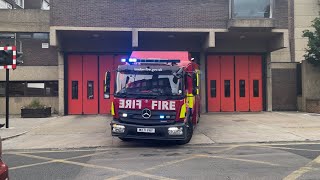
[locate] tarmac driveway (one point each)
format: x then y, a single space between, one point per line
94 131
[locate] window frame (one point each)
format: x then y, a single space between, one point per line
231 9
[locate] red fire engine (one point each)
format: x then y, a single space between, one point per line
156 97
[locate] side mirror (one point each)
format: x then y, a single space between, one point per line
194 91
194 84
107 88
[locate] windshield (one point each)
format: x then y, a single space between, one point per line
156 84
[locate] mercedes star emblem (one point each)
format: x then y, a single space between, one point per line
146 113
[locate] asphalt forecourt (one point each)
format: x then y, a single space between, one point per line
163 161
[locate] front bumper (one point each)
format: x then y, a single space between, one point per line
161 131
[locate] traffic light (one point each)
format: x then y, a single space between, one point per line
6 57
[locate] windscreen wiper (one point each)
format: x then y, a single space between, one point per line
140 95
122 95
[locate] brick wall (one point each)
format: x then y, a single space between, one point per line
150 13
281 14
313 105
33 53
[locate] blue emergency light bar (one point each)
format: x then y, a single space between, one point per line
134 60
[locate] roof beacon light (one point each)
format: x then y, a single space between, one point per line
155 61
132 60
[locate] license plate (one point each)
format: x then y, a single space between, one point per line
146 130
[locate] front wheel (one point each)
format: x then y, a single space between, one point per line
189 135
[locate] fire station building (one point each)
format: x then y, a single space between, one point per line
246 50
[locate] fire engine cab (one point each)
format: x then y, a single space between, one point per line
156 97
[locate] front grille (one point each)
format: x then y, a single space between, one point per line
135 117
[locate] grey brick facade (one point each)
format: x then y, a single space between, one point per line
151 13
35 55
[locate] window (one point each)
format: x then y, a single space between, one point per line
90 94
75 90
41 36
255 88
213 88
251 8
2 89
227 88
107 85
30 89
16 89
242 88
52 88
36 36
34 89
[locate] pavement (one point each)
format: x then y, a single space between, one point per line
20 126
214 128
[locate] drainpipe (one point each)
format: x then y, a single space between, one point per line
291 30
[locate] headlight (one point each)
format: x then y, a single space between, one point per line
173 131
118 128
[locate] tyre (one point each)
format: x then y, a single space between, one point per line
125 139
189 134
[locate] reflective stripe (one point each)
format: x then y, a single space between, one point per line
112 109
197 78
183 111
190 100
